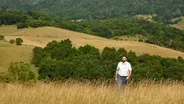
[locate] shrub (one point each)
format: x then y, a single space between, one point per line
40 23
21 71
140 40
21 25
18 71
19 41
5 77
1 37
12 41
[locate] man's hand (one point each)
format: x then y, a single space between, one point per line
127 78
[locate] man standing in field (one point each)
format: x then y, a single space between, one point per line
123 72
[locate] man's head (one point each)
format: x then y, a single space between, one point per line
124 59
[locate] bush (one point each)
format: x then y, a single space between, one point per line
1 37
18 71
21 25
19 41
21 71
40 23
140 40
5 77
12 41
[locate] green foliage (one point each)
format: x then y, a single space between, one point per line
25 19
59 60
87 49
5 77
155 33
1 37
21 25
109 54
12 17
21 71
140 40
19 41
101 9
18 71
39 23
38 56
12 41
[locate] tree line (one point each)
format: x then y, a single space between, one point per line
24 19
60 60
165 10
155 33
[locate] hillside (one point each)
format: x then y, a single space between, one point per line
12 53
179 25
100 9
155 33
41 36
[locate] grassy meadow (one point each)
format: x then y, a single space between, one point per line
74 92
12 53
146 92
42 36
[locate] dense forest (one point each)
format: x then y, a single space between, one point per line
166 10
60 60
155 33
25 19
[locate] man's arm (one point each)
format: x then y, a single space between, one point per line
130 73
116 75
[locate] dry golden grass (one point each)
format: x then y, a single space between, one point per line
146 17
41 36
179 25
5 30
89 93
12 53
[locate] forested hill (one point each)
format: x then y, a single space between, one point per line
154 33
100 9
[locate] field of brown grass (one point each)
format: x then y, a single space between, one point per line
41 36
90 93
12 53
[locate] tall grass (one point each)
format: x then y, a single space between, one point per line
89 93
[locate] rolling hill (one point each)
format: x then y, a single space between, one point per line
41 36
99 9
